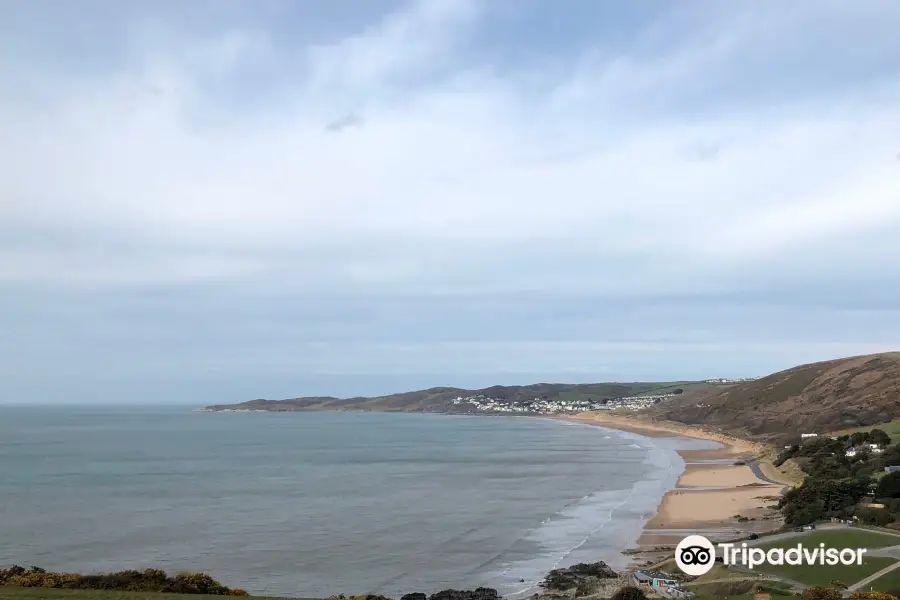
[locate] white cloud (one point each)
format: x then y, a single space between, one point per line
706 156
458 161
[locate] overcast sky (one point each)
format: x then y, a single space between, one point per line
219 200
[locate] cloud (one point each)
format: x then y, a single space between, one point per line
704 155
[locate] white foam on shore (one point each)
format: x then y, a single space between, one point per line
601 525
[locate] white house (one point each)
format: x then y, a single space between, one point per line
872 448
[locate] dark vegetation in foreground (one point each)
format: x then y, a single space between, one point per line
22 593
156 581
577 580
840 486
148 580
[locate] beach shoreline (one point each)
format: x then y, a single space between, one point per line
724 492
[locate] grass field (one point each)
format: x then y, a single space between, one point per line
891 428
891 581
824 574
719 572
20 593
841 538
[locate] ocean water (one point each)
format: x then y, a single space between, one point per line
313 504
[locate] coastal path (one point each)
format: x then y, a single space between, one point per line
864 582
771 577
757 471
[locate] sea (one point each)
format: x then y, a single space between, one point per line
315 504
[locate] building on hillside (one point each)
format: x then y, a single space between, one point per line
871 448
808 436
641 579
655 579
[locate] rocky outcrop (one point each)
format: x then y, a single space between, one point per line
478 594
570 578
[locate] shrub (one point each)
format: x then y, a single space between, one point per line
148 580
821 593
871 596
629 592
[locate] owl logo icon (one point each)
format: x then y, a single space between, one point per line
695 555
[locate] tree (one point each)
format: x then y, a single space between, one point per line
629 592
860 437
888 486
677 391
877 436
891 455
875 516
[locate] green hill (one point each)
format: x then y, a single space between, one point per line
821 397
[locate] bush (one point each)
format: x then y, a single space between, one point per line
871 596
629 592
821 593
149 580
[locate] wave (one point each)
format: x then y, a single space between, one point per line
571 534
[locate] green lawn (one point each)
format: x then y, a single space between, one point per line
841 538
824 574
891 581
891 428
20 593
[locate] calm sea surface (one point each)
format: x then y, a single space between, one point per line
322 503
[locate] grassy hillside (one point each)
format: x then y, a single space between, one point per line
440 399
891 428
854 392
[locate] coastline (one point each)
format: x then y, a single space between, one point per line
712 496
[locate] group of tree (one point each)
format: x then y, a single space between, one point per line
837 483
148 580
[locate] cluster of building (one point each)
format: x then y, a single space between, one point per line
871 448
853 451
661 583
535 406
543 406
730 380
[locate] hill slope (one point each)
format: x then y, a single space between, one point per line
818 397
440 399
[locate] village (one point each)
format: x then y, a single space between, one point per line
543 406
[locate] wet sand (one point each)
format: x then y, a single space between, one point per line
738 502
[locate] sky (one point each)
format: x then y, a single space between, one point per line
220 200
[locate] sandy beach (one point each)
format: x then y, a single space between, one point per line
714 499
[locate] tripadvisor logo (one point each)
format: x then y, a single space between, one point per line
695 555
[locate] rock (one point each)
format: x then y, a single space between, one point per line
562 580
571 577
478 594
